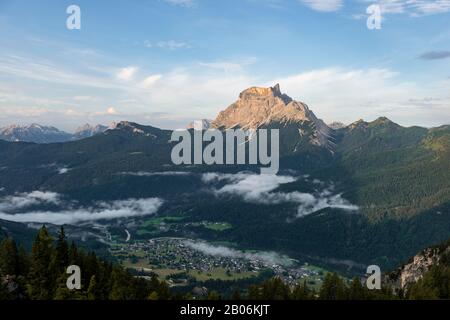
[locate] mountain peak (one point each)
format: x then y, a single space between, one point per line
259 107
133 128
203 124
264 93
261 91
87 130
336 125
33 133
383 120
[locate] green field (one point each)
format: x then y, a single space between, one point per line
218 226
214 274
158 220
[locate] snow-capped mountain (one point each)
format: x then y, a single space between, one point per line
34 133
87 131
46 134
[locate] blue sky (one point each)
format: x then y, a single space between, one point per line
168 62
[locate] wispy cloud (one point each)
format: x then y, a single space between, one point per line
151 174
229 66
23 200
414 8
367 93
70 214
127 73
182 3
269 258
323 5
350 93
150 81
261 189
169 44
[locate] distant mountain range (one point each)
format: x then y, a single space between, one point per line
44 134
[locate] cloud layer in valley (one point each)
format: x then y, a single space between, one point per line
23 200
157 173
72 214
269 258
260 189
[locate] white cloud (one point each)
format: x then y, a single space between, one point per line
252 187
260 189
127 73
112 111
229 66
340 94
150 81
324 5
182 3
38 69
63 170
151 174
168 44
205 88
100 211
269 258
23 200
413 7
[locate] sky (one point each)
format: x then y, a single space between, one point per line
168 62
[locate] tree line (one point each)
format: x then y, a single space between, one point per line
41 275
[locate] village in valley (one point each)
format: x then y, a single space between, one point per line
180 260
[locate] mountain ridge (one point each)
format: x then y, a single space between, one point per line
37 133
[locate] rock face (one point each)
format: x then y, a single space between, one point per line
415 269
259 108
336 125
87 131
204 124
133 129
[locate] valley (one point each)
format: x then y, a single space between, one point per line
345 198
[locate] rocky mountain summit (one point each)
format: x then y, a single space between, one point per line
259 108
88 130
203 124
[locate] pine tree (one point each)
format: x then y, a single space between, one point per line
301 292
92 290
9 260
333 288
62 252
41 276
253 293
120 285
23 262
275 289
73 254
356 291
